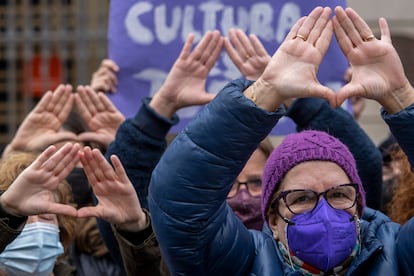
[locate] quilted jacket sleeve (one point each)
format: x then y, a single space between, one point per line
196 229
401 126
405 248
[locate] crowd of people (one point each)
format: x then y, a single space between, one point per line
86 191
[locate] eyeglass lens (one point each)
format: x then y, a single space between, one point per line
254 187
340 197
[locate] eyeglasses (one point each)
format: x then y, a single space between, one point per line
300 201
254 187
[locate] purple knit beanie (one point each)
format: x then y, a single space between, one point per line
307 146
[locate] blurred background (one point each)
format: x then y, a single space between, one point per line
44 43
63 41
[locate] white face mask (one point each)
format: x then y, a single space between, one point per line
33 252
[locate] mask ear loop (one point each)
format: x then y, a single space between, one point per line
287 223
358 229
288 248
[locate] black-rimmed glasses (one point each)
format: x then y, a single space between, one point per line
299 201
254 187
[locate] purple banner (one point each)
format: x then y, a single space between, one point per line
146 37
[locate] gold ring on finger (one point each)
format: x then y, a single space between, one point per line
369 38
301 37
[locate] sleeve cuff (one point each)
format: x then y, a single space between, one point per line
303 110
137 238
151 123
13 222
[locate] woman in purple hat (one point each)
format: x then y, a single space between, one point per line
313 202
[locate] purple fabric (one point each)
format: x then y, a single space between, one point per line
323 238
146 37
247 209
307 146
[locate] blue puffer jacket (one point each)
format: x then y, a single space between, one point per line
197 231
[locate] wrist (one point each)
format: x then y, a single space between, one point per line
263 95
137 225
9 148
163 106
12 221
288 103
5 209
398 100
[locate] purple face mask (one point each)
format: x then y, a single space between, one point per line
323 238
247 209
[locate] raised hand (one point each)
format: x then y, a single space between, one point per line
32 193
377 71
185 84
117 200
42 126
247 53
99 114
104 79
292 70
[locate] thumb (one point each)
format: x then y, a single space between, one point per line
63 209
89 211
206 98
346 92
324 92
61 136
101 139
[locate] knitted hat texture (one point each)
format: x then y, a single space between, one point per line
304 146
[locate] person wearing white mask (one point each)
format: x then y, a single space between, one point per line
34 251
33 239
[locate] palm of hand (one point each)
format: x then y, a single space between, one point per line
37 196
254 66
38 201
37 193
117 206
294 73
376 70
117 200
186 83
39 131
105 123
